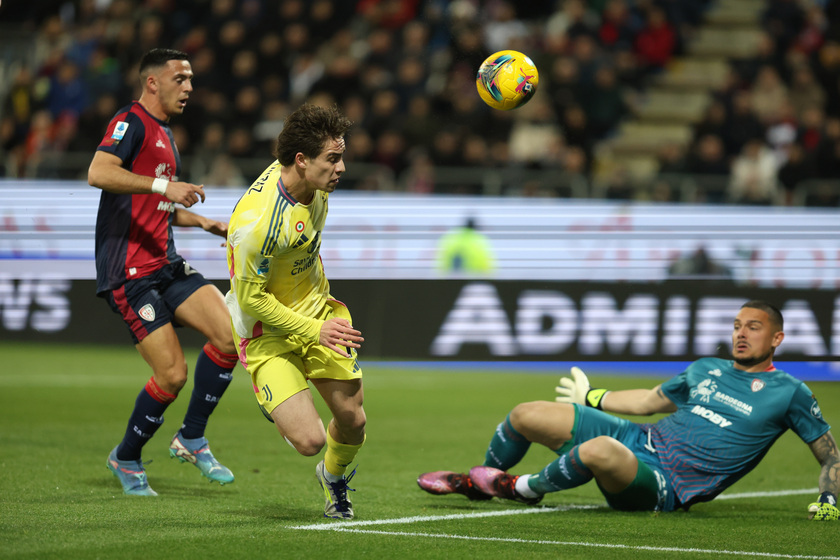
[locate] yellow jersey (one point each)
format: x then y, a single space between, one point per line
277 281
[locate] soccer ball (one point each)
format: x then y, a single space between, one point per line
507 80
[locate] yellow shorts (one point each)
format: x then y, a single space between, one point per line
280 365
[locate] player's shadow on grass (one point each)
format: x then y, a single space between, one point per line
466 505
166 488
282 512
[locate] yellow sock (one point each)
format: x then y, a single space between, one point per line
339 455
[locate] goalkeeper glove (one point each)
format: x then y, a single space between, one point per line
577 390
825 508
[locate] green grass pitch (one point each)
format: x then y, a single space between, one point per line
63 408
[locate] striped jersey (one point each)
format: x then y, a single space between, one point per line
134 231
725 423
277 280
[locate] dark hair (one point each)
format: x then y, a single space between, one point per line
771 310
306 131
158 57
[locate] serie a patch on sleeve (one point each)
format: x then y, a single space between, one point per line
119 130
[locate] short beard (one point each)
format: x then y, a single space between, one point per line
749 362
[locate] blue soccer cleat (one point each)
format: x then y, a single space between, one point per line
132 475
197 452
337 504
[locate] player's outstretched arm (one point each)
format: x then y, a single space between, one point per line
107 173
185 218
641 402
825 450
337 332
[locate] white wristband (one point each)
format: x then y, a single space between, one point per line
159 186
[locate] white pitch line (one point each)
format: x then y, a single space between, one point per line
502 513
422 518
343 529
772 494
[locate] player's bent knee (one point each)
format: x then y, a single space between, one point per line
307 446
603 452
224 343
529 416
172 380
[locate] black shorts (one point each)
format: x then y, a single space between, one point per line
146 304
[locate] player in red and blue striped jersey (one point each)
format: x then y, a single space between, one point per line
146 282
725 416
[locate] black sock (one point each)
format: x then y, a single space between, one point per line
144 421
212 376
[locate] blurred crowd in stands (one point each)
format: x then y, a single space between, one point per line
404 72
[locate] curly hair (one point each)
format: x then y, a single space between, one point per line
307 130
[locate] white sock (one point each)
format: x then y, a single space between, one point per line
522 487
330 476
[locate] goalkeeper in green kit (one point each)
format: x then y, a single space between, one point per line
724 417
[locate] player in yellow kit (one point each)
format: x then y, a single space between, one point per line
287 327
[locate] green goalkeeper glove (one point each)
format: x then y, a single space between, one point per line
576 390
825 508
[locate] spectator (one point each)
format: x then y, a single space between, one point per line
67 93
419 126
810 132
657 41
419 177
713 121
766 54
828 152
564 84
781 133
604 103
389 150
812 33
573 182
805 92
828 72
708 162
671 159
326 49
769 94
504 30
783 19
92 122
589 58
476 152
535 138
754 175
573 20
410 81
628 71
390 14
577 132
224 172
797 169
617 31
243 72
742 124
446 149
